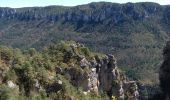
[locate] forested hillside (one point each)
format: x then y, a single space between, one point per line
133 32
63 71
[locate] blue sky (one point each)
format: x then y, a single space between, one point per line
30 3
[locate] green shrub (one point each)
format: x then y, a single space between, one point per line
8 93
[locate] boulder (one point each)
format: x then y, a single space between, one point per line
11 84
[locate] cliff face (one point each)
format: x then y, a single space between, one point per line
93 12
103 75
110 14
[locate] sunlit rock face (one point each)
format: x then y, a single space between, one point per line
102 74
113 81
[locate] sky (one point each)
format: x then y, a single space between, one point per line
31 3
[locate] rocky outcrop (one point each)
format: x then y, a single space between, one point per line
11 84
72 73
167 15
115 82
97 12
103 75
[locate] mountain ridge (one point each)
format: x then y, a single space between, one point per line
133 32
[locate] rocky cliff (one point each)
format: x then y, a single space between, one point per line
64 71
90 13
103 75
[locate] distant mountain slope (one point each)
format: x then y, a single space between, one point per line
134 32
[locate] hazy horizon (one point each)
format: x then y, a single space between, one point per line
38 3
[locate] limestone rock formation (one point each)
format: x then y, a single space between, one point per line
11 84
103 75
